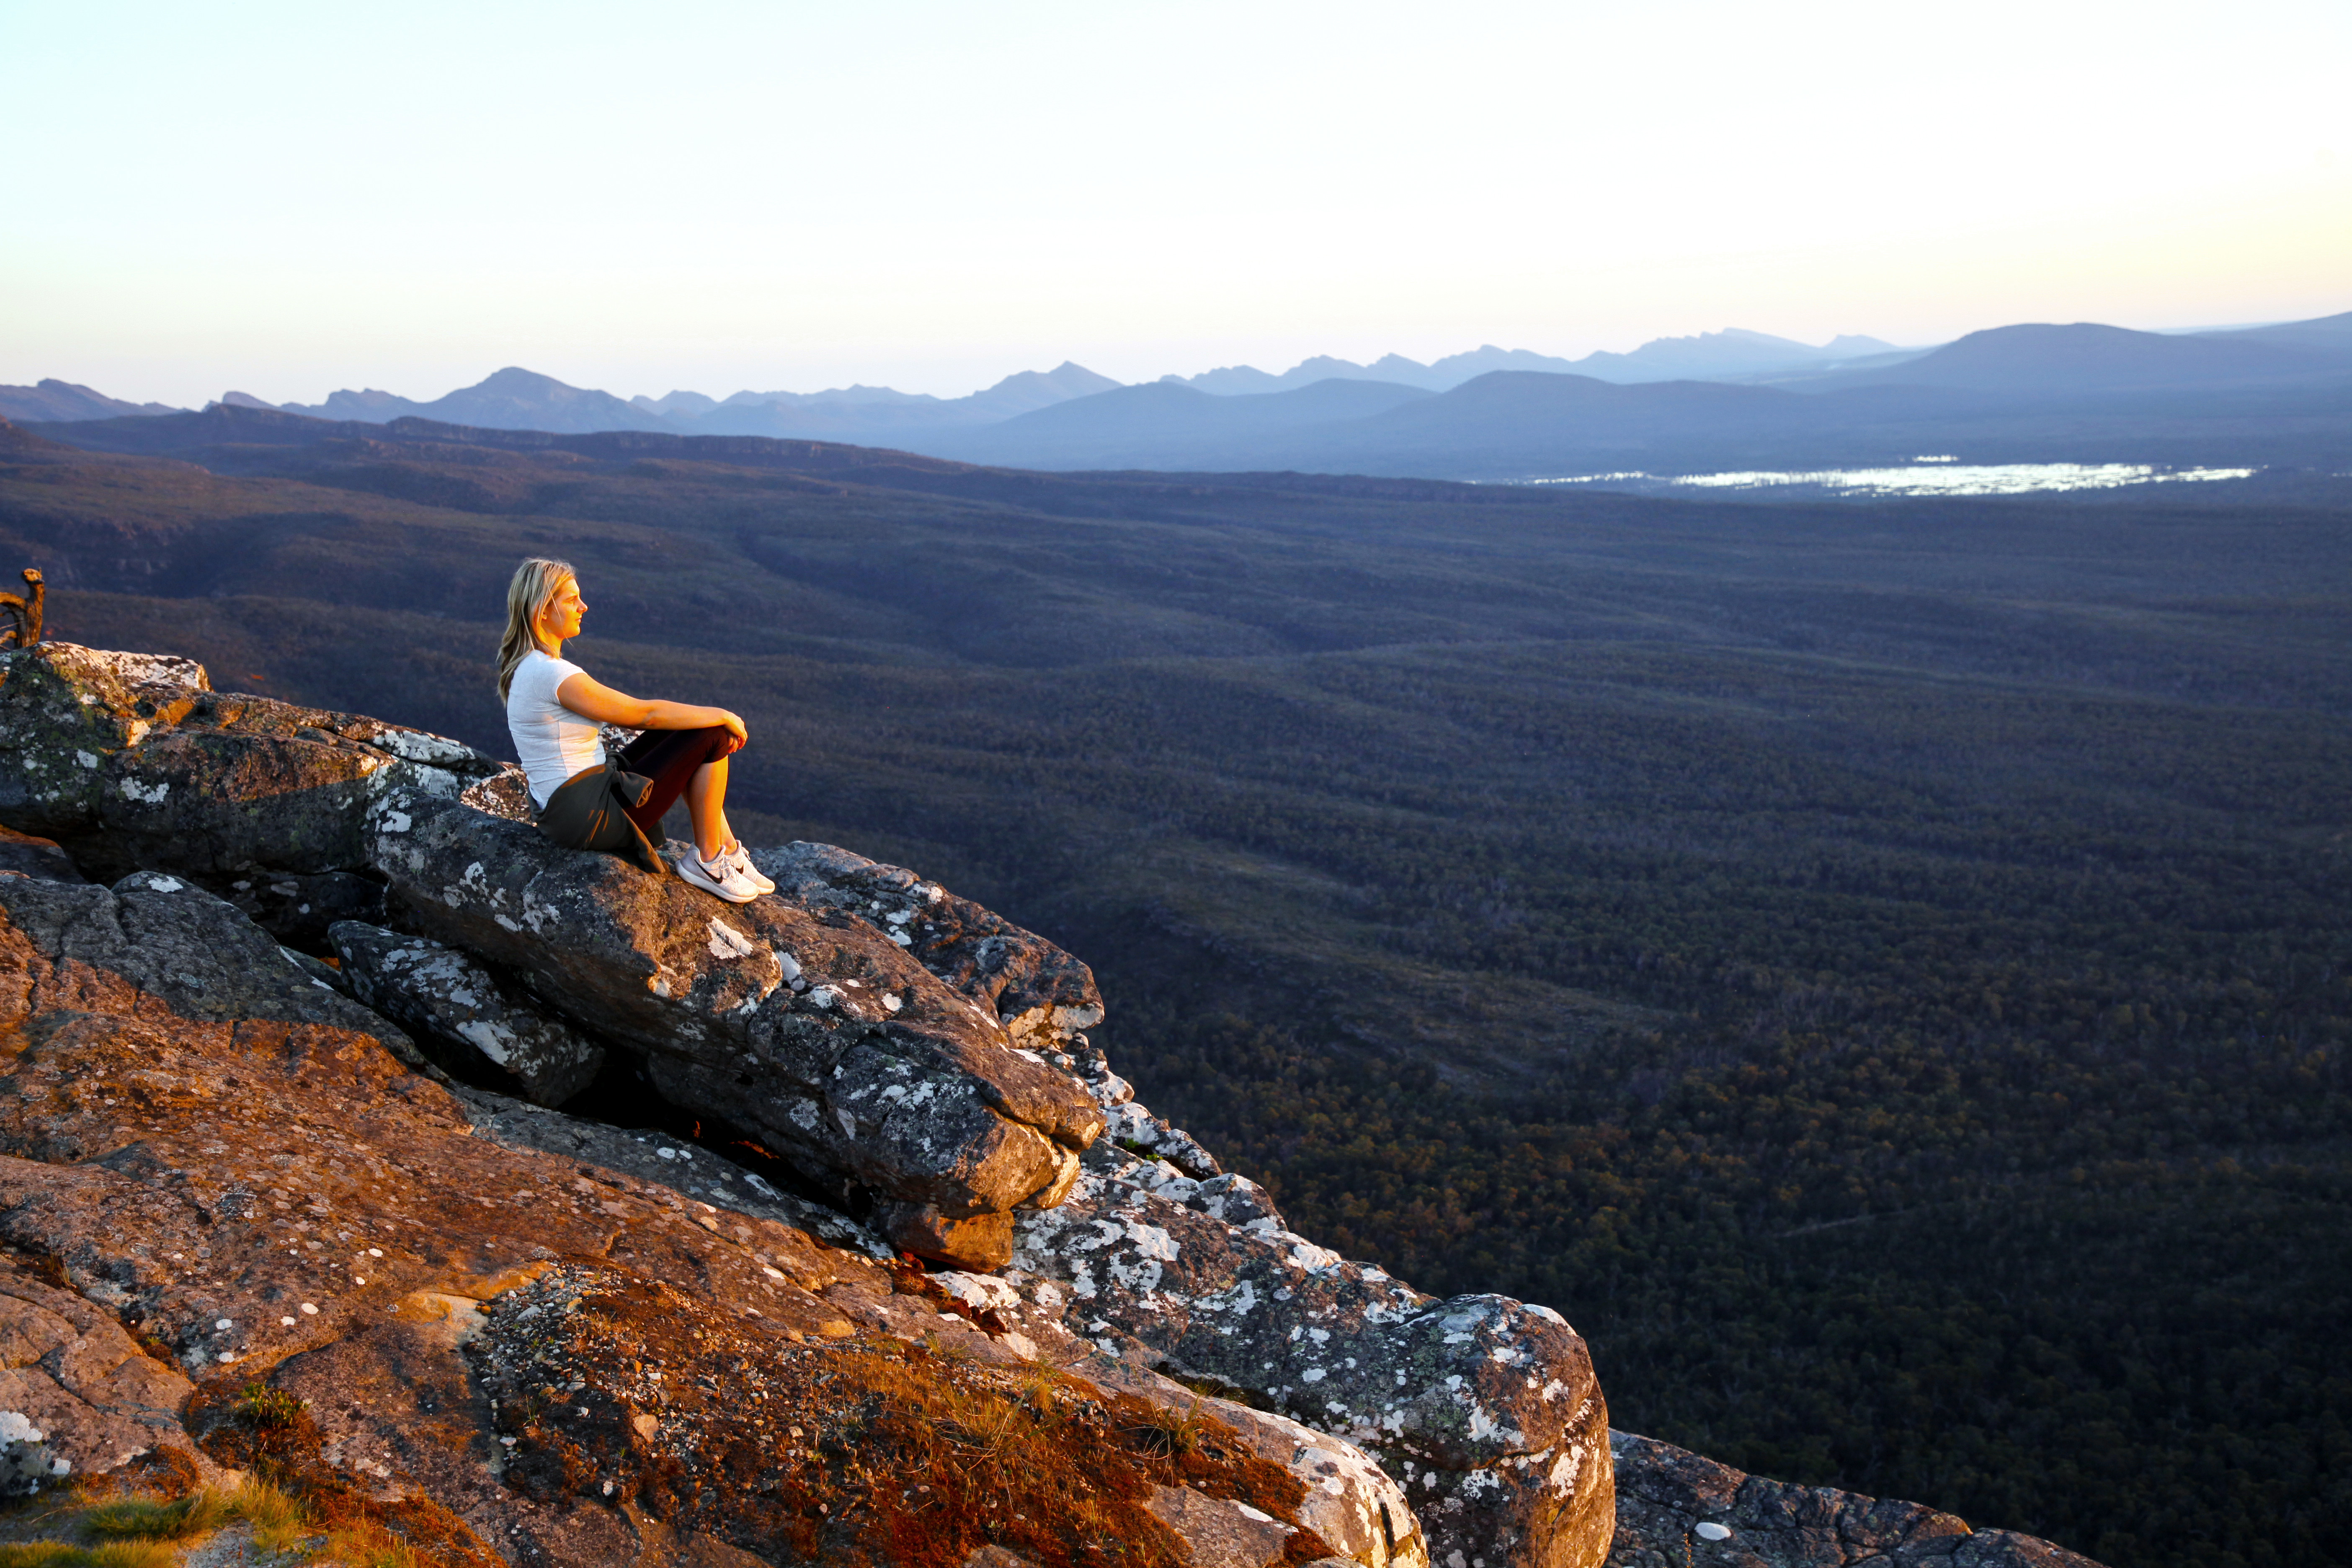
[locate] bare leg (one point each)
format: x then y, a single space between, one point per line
706 801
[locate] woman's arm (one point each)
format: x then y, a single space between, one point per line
592 700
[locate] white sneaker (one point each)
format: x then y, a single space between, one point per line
741 858
719 877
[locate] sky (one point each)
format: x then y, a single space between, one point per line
286 199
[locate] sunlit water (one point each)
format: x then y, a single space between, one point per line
1937 476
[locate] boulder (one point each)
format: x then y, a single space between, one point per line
809 1026
65 712
1483 1408
1676 1509
475 1020
133 760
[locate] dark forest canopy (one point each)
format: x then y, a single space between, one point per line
1881 970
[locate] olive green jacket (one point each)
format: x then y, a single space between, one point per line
585 812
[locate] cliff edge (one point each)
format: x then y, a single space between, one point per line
291 1002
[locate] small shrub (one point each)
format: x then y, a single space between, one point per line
266 1409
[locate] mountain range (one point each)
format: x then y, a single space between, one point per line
2278 395
1710 356
518 399
2081 392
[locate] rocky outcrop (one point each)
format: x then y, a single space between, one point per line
217 1171
811 1028
1039 994
1675 1507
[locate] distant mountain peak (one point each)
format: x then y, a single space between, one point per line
55 402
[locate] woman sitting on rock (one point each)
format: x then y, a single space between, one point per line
586 802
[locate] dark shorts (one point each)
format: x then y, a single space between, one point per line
669 758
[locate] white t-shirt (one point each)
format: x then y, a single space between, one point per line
552 742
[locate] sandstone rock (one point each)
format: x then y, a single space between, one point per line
1219 1532
446 998
1351 1503
77 1394
654 1157
612 1391
1674 1506
996 1557
861 1062
810 1028
183 946
1486 1409
1133 1128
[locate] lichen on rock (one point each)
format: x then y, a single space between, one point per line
451 1000
1483 1408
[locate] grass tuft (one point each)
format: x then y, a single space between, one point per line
111 1555
368 1545
152 1519
1164 1433
279 1519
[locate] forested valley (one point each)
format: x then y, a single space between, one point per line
1881 970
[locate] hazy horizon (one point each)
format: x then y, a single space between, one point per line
1041 364
287 201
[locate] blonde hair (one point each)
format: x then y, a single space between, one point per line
535 583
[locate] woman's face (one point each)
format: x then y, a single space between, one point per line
559 619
